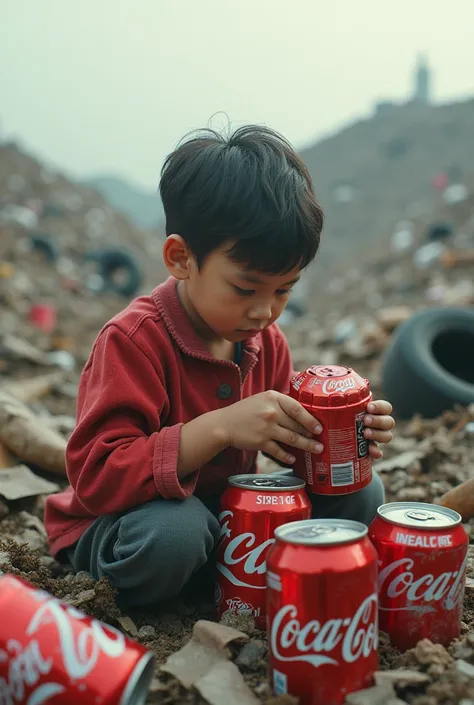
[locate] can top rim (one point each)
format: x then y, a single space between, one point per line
321 532
273 482
419 515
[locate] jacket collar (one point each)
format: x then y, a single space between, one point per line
181 329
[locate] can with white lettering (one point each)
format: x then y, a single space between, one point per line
337 396
322 610
251 508
52 652
422 550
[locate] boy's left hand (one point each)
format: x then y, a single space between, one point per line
379 424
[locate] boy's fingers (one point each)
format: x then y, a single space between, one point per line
287 422
378 436
380 406
275 451
296 411
385 423
375 451
294 439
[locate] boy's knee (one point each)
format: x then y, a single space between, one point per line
159 546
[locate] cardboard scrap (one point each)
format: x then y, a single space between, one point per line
223 683
206 648
18 482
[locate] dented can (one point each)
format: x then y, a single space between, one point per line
322 610
422 550
51 651
338 397
251 508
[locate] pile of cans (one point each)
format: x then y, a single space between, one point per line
323 587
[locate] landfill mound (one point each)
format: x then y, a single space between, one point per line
381 165
351 321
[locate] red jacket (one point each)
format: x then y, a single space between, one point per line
147 375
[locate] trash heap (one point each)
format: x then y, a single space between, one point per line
51 312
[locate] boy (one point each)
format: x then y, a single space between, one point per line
183 387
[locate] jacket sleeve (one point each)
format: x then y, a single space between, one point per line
120 454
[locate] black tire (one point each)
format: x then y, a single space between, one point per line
43 244
429 366
111 260
440 231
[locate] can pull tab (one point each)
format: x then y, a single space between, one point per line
264 482
420 516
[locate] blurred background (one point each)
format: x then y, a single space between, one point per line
377 98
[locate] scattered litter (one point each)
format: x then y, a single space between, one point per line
18 481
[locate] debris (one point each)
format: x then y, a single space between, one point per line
404 461
251 654
206 648
18 481
402 677
147 632
128 625
467 669
223 682
461 499
390 318
29 438
18 349
377 695
43 316
32 389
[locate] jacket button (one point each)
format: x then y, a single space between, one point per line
224 391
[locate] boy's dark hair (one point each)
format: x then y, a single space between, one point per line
250 187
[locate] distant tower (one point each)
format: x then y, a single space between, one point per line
421 92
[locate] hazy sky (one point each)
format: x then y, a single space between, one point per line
111 85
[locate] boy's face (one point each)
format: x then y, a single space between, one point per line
228 301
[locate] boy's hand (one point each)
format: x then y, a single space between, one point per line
264 420
379 424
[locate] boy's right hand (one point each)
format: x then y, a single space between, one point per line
264 420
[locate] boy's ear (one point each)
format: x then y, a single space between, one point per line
177 257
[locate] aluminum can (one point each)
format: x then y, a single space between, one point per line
252 507
52 652
322 610
338 397
422 550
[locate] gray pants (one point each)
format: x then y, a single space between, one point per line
152 551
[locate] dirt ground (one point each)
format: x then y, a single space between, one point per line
447 456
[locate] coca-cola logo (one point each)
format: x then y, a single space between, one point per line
79 651
319 643
241 554
338 385
397 580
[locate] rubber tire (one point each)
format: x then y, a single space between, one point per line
44 245
440 231
109 260
414 377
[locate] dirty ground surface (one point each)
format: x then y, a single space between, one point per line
426 458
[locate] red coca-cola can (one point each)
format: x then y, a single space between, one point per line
251 508
422 551
52 652
322 610
338 397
